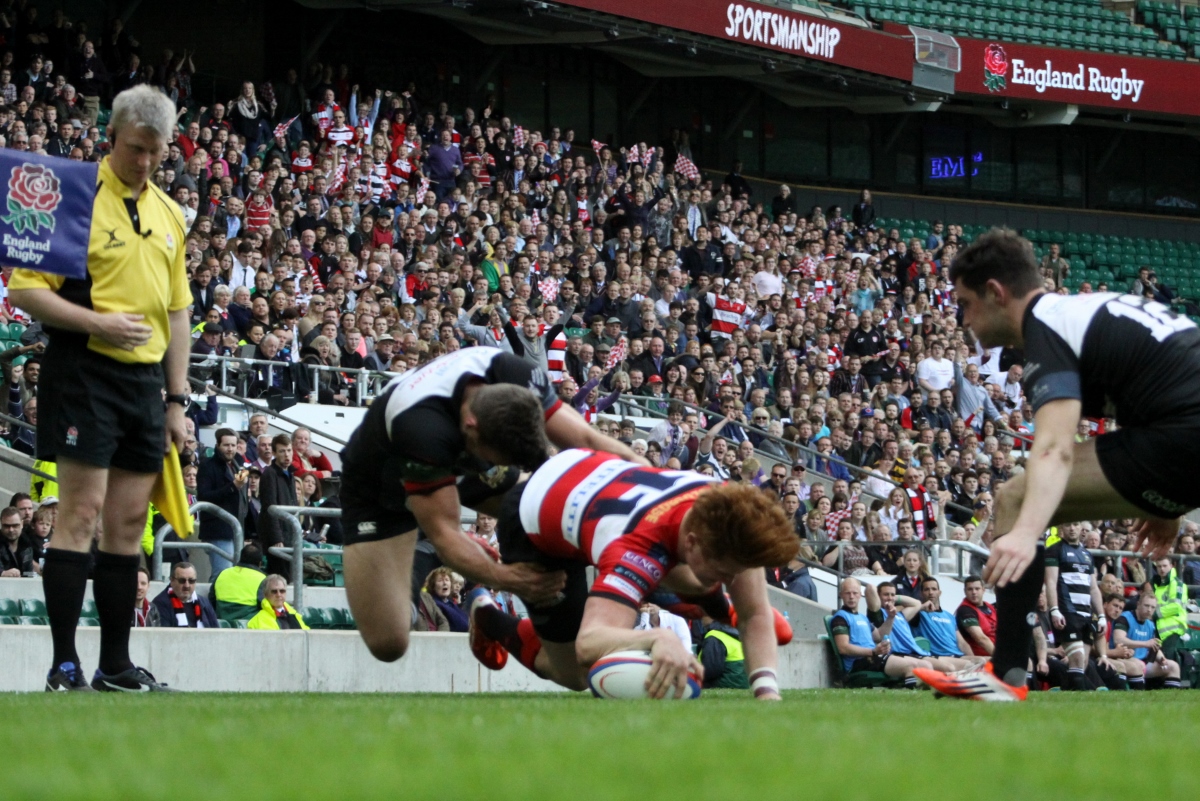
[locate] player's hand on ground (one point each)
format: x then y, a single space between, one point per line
531 583
124 331
1154 536
1011 555
670 665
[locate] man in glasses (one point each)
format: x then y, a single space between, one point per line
179 605
276 613
16 554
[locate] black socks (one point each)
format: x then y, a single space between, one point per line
1015 618
64 581
115 590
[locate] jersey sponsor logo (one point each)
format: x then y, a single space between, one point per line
647 566
633 576
622 586
1162 503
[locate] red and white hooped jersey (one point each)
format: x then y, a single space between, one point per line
619 516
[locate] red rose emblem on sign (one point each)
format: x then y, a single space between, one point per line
995 65
33 195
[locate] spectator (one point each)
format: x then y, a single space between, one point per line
16 553
179 606
1136 630
439 585
141 609
863 647
1054 266
222 480
238 592
308 459
277 488
977 618
276 614
427 615
1172 622
722 656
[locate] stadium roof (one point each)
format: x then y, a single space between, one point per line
818 55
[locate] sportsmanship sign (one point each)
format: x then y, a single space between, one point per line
47 212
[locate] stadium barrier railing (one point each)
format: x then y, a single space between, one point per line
856 473
931 549
160 543
289 518
230 370
260 407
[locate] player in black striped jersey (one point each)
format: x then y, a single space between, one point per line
1095 355
1074 596
433 433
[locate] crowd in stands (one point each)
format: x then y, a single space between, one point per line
342 226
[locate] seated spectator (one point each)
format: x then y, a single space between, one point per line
940 627
1172 619
853 555
722 656
16 553
883 603
276 613
141 608
908 583
440 587
977 618
863 647
650 616
306 458
1136 630
178 606
427 615
238 592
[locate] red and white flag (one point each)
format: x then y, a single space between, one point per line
282 128
535 218
633 155
422 189
337 180
685 167
549 290
617 354
647 157
518 137
598 146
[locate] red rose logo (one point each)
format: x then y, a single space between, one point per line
33 195
995 64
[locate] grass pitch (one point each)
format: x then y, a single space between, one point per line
826 744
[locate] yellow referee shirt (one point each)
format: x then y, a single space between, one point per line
135 265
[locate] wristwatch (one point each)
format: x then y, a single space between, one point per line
183 400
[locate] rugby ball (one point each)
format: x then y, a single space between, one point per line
622 674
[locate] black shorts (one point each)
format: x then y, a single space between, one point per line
1144 464
374 504
875 663
100 411
559 621
1076 630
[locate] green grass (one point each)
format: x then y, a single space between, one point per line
815 745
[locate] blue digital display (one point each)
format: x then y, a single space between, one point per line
941 168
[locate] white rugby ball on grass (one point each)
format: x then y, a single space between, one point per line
622 674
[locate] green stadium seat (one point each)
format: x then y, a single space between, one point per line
921 642
15 330
7 621
33 607
239 624
223 624
88 621
316 617
89 609
866 678
9 608
28 620
336 617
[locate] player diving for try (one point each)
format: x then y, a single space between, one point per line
1095 355
432 431
642 528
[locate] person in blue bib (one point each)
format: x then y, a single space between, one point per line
863 647
940 628
1137 630
882 602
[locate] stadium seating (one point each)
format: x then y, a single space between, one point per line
1177 24
1077 24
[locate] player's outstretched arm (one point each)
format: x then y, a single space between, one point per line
756 624
438 514
1020 523
566 428
607 626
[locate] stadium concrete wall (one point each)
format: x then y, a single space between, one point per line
320 661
